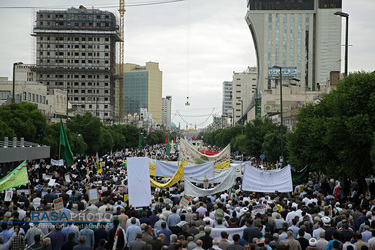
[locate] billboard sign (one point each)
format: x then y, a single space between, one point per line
285 71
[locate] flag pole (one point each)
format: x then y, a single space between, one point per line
59 144
28 185
29 193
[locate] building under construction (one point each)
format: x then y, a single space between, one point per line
76 51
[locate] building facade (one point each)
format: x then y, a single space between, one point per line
143 89
303 37
243 93
76 51
53 104
227 99
167 112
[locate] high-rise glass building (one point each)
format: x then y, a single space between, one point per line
302 36
143 89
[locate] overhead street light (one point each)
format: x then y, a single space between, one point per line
281 113
346 15
242 121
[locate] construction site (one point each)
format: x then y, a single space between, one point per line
76 51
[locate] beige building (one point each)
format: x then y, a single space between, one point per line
52 104
243 92
294 97
143 89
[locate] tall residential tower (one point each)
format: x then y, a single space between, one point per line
167 112
76 52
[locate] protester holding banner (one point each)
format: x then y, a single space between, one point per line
241 202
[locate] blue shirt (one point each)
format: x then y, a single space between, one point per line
167 234
131 233
173 220
295 230
67 230
90 238
6 234
330 244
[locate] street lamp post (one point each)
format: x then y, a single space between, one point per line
232 117
346 15
242 112
281 113
14 81
255 101
67 101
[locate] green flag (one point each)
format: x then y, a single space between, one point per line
140 141
15 178
66 152
168 147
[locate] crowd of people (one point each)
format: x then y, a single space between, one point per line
311 218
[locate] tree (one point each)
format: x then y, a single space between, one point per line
336 136
256 131
90 128
6 131
107 142
24 119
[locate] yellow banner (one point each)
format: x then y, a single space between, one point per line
152 169
100 169
223 165
176 178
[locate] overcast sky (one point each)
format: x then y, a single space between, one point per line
198 44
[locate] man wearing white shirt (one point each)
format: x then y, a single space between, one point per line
128 222
291 215
316 232
207 218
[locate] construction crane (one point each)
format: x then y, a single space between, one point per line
121 10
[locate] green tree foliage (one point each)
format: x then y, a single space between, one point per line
52 137
6 131
336 136
260 136
256 132
119 140
24 119
108 141
152 138
90 128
